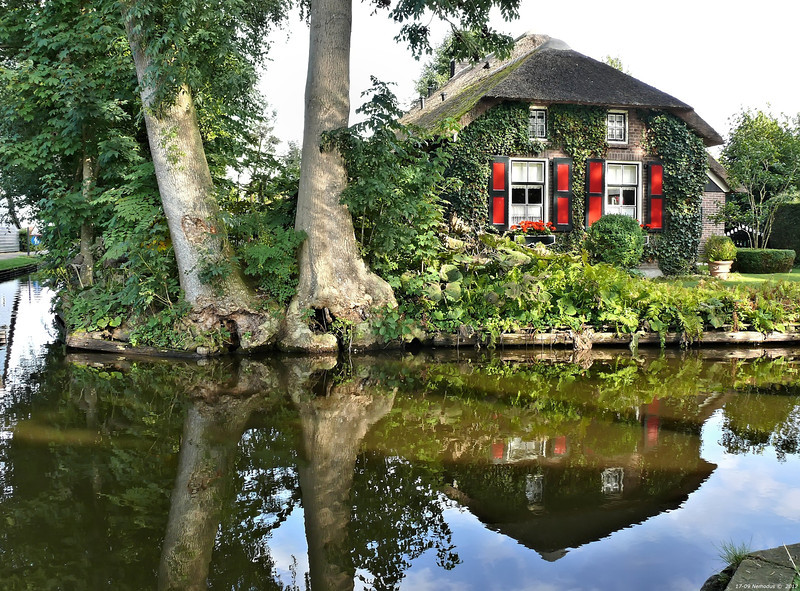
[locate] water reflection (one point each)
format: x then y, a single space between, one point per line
385 472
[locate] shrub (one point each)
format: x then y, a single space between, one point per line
616 239
720 248
786 227
764 260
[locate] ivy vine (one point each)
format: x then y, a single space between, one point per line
580 131
685 164
503 130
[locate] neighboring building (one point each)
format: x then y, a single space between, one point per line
714 194
9 238
543 72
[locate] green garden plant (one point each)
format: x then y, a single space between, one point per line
764 260
720 248
617 240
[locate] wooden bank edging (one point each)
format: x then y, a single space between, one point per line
557 339
14 272
85 342
611 339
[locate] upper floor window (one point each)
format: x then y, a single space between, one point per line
537 123
617 127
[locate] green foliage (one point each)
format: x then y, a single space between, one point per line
617 240
685 164
733 554
764 260
473 38
161 329
762 155
496 286
786 229
501 130
395 177
267 244
720 248
436 71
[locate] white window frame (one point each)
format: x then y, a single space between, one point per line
617 113
608 208
536 109
544 184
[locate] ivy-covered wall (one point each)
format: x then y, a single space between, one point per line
503 130
685 166
579 132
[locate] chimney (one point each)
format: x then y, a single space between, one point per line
431 88
421 102
452 68
444 96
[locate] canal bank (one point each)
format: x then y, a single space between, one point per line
16 264
776 568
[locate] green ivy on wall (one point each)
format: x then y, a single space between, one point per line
685 164
580 131
503 130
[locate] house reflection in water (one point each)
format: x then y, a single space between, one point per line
561 491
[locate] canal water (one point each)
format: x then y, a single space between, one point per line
508 470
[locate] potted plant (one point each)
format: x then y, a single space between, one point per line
720 252
535 232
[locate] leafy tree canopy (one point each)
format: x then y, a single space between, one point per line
762 156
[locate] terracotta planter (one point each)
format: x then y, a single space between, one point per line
546 239
719 268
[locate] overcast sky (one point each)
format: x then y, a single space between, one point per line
717 56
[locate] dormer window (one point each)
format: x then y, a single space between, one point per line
537 123
617 127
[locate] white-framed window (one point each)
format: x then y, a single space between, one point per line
537 123
617 127
528 182
623 188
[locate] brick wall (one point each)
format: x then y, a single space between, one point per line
712 203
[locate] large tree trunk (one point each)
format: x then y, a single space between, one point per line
333 275
86 268
193 215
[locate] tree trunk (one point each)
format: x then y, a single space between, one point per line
333 427
193 215
333 275
86 268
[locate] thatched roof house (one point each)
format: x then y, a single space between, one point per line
542 69
545 73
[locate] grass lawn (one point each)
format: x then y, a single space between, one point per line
16 262
756 279
751 279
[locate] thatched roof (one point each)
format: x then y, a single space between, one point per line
545 70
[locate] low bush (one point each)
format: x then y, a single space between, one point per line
719 248
784 229
764 260
616 239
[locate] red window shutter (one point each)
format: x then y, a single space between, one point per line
499 176
595 190
562 194
655 196
498 191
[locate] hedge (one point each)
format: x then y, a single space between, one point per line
764 260
786 228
